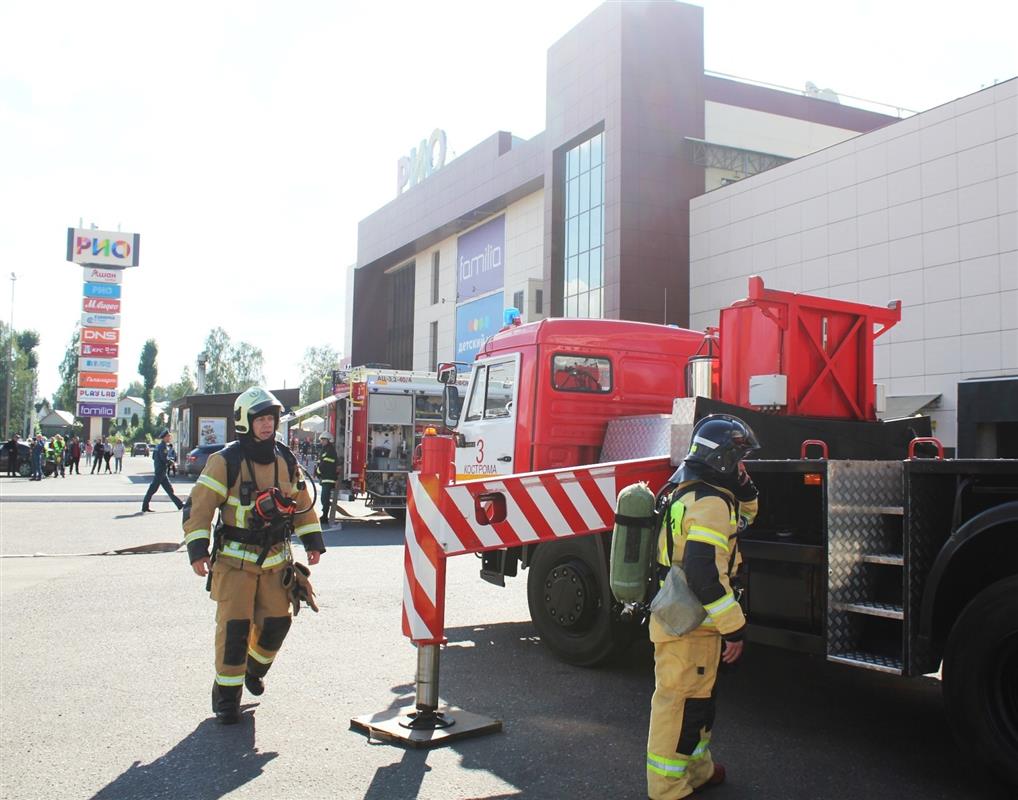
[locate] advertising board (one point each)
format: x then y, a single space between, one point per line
105 336
100 305
103 275
102 248
99 350
90 320
97 410
97 380
106 290
211 430
475 322
480 260
97 395
89 364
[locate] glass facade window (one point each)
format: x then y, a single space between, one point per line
583 292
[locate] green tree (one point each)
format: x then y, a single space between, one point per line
134 389
248 364
181 388
66 397
316 373
219 373
149 371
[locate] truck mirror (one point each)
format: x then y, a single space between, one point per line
450 405
447 373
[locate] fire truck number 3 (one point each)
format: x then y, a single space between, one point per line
480 451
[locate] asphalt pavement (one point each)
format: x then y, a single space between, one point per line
106 664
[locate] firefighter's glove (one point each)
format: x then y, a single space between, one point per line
745 489
297 579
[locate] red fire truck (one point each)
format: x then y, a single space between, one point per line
870 549
377 416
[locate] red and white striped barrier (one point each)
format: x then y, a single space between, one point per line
450 519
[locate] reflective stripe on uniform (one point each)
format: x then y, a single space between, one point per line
240 512
698 533
700 750
311 527
195 535
258 656
719 605
211 483
330 460
668 767
236 550
230 680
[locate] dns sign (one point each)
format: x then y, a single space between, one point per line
424 159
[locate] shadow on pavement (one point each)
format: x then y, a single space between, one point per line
788 726
209 763
378 535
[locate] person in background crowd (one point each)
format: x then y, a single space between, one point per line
97 456
118 454
107 455
58 456
38 453
13 456
326 471
88 452
73 456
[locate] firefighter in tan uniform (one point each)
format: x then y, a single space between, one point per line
712 500
255 485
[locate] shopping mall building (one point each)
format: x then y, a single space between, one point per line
657 189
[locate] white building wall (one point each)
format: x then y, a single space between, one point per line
524 262
763 132
924 210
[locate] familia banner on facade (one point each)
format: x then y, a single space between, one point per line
480 260
475 322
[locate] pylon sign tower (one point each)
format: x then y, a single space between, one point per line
104 255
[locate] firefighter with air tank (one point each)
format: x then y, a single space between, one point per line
257 488
711 499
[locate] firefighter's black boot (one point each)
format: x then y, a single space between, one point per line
254 684
226 704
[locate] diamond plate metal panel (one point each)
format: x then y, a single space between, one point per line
683 411
863 518
645 436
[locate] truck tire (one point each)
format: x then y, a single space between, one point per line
980 678
566 591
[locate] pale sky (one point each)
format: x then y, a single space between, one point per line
245 140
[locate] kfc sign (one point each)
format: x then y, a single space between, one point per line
100 350
99 305
100 335
97 380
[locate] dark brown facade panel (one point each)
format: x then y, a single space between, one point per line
786 104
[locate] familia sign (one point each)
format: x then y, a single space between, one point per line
102 248
480 260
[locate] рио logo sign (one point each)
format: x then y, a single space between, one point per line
422 161
102 248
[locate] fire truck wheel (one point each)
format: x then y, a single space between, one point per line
980 678
566 591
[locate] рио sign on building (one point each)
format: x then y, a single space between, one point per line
102 248
424 159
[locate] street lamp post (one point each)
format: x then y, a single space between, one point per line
10 363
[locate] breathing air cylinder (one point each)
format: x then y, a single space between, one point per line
632 556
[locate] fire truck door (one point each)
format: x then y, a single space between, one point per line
488 422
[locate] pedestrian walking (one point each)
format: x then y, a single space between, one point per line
712 498
14 456
160 478
97 456
107 455
118 454
88 452
326 472
74 456
254 580
38 454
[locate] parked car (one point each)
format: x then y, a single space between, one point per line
24 459
195 461
139 449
